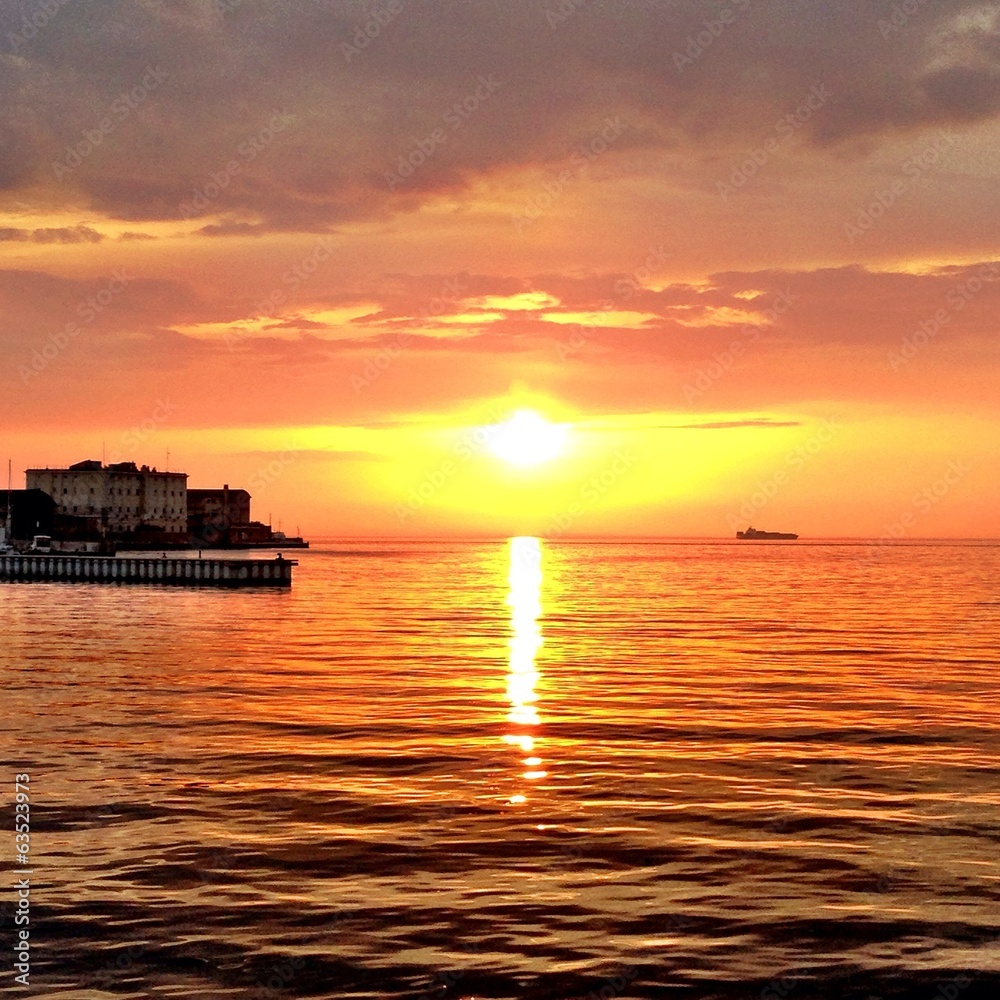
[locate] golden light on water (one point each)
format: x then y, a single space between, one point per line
525 602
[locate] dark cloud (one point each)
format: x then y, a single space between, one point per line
235 229
964 93
719 425
70 234
184 97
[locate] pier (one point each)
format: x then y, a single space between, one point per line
168 570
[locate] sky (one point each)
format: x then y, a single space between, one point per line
737 261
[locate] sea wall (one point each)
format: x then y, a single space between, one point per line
147 569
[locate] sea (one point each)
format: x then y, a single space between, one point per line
516 768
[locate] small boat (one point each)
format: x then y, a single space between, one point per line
768 536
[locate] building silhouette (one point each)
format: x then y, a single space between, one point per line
221 517
134 507
129 502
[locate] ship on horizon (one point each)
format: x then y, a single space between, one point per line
755 534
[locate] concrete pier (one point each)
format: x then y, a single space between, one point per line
147 569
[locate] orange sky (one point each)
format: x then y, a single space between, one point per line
744 255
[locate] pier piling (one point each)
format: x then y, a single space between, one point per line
16 568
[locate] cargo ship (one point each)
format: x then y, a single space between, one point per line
768 536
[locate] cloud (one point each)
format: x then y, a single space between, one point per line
235 229
71 234
35 305
458 91
718 425
853 308
366 360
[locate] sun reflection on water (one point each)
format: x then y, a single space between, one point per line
525 602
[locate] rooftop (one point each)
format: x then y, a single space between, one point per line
93 465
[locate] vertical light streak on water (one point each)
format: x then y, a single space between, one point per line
525 602
770 768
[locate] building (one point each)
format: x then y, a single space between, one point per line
129 502
30 513
222 518
34 513
214 507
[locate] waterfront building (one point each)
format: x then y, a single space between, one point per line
128 500
221 517
216 507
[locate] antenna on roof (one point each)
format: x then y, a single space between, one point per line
9 520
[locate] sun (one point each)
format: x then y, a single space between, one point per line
527 439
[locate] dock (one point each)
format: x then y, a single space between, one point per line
166 570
